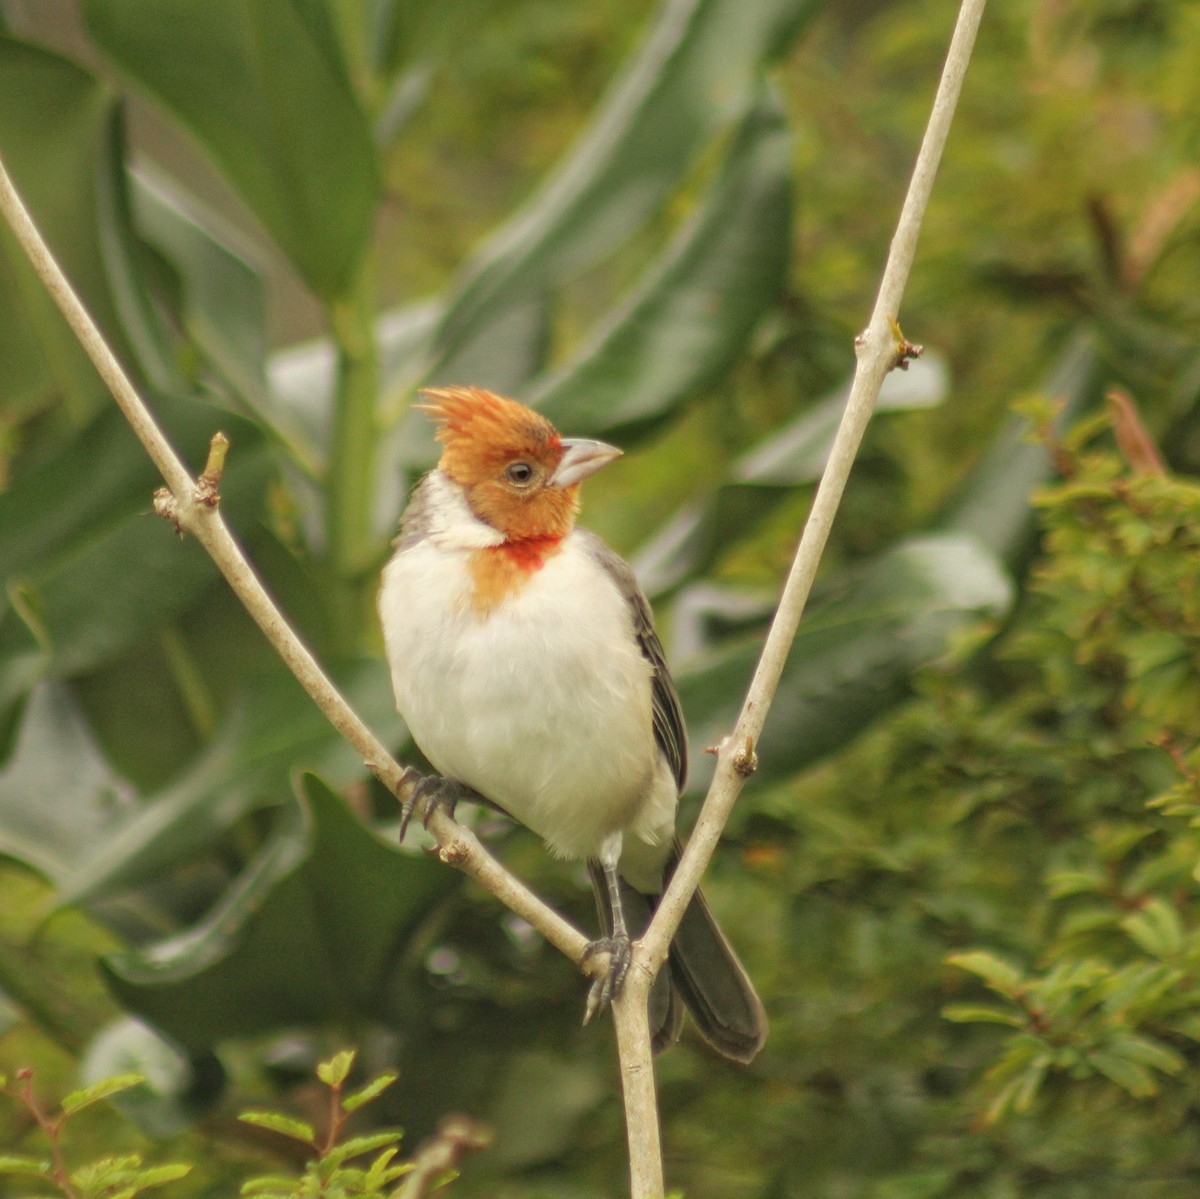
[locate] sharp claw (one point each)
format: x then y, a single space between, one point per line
436 792
604 990
406 811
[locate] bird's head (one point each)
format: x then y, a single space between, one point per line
517 473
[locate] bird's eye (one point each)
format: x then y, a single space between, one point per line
520 474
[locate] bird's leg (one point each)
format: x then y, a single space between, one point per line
616 944
436 792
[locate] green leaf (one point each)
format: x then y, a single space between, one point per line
303 380
855 653
336 1070
1147 1052
57 130
15 1163
287 1126
382 1172
372 1090
691 315
995 971
54 755
1156 928
157 1176
503 356
77 1100
992 504
223 300
357 1146
270 1186
1128 1075
134 578
1028 1083
791 456
316 928
262 85
271 731
982 1013
176 1091
693 74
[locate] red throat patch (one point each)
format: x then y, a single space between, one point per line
502 570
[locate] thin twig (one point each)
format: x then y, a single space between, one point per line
878 352
193 506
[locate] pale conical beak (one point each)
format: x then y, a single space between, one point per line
580 459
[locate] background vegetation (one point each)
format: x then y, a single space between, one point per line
964 877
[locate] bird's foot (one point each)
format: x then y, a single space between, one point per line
435 793
607 987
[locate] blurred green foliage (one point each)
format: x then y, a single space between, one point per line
964 876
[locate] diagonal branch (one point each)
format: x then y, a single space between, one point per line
193 506
879 349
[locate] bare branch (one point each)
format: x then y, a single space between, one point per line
638 1090
879 349
193 506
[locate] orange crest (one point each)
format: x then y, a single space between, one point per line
481 430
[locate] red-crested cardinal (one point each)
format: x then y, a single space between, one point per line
526 666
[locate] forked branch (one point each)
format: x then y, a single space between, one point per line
192 505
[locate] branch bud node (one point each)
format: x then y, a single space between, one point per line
745 761
167 506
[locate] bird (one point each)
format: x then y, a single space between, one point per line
527 669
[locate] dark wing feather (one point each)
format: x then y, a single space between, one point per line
669 730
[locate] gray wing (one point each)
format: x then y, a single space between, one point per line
669 730
414 523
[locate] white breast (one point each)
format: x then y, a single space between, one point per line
543 705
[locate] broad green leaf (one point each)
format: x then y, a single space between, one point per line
303 376
58 795
791 456
854 655
418 30
132 578
692 314
56 136
992 505
223 301
795 454
505 355
694 73
77 493
315 929
273 730
24 655
176 1090
73 497
263 87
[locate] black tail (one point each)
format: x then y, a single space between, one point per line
703 971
